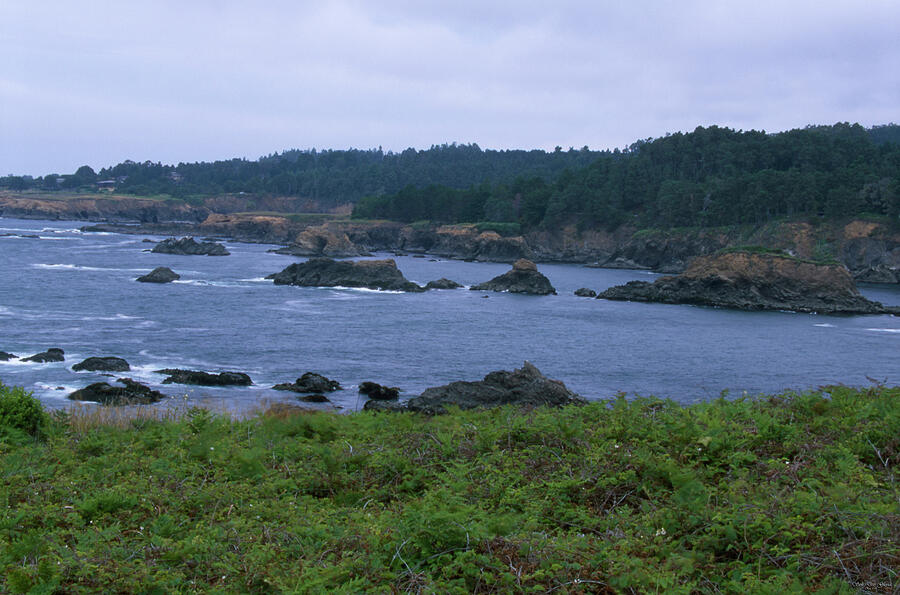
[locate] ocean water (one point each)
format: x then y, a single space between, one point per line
77 291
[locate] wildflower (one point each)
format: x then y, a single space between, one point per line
661 531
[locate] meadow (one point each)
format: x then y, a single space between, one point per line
782 493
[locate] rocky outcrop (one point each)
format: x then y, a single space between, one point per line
523 278
5 357
525 387
442 283
325 272
54 354
378 392
177 376
585 292
188 246
749 281
310 382
102 364
321 241
132 393
878 273
159 275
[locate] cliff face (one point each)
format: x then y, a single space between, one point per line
140 210
748 281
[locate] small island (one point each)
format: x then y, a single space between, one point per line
326 272
756 280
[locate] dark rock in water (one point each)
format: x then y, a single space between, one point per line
133 393
314 399
523 278
525 386
54 354
102 364
752 281
585 292
5 357
159 275
176 376
418 256
187 246
379 392
310 382
148 241
325 272
443 283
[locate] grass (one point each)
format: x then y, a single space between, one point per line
793 492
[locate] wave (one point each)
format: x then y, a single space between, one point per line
256 280
363 289
824 325
78 267
884 330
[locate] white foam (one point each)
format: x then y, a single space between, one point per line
884 330
77 267
364 289
256 280
824 325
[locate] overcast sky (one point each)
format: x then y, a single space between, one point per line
98 82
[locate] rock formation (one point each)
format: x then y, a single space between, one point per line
325 272
378 392
753 281
54 354
585 292
177 376
102 364
189 247
159 275
310 382
133 393
5 357
523 278
524 387
442 283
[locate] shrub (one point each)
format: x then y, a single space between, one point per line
20 410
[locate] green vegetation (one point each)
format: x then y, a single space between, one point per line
796 492
329 177
709 177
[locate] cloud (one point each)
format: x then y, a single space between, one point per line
105 81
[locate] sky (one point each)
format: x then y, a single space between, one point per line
98 82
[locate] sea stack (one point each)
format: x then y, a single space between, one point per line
747 280
523 278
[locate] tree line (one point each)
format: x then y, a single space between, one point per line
329 177
711 176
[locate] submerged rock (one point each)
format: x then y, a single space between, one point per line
443 283
325 272
310 382
314 399
102 364
585 292
177 376
525 386
378 392
187 246
133 393
159 275
752 281
523 278
5 357
54 354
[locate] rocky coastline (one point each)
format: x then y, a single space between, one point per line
870 250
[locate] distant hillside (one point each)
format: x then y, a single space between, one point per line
329 177
711 176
